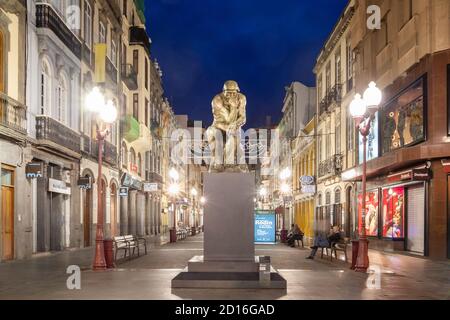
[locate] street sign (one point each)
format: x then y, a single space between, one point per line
150 187
58 186
123 192
307 180
85 183
34 170
309 189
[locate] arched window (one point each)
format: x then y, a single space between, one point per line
62 100
319 200
88 24
328 198
337 196
133 157
124 154
45 99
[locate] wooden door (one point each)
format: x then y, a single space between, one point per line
113 200
87 217
7 214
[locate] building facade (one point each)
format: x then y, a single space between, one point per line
408 58
16 220
335 147
304 179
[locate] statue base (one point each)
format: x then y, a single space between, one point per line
229 259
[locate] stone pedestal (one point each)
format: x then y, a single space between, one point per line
229 250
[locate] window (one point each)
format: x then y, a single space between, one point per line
319 88
113 53
338 69
349 55
102 33
88 24
146 113
61 101
146 73
405 11
338 133
382 35
337 196
319 146
133 160
124 155
1 62
328 143
147 165
393 213
139 165
45 104
136 60
136 106
328 78
124 106
350 132
371 216
403 119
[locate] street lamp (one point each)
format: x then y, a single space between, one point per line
194 194
202 200
285 189
107 113
173 190
363 111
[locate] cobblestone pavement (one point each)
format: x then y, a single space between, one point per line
148 277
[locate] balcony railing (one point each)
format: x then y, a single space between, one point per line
13 115
46 17
129 76
153 177
48 129
90 147
111 70
333 97
138 35
331 167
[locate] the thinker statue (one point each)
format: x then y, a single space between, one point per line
224 136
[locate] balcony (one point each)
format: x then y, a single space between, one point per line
139 36
129 76
90 147
331 167
153 177
332 99
52 133
46 17
13 116
111 71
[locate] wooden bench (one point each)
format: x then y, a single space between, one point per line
129 243
335 247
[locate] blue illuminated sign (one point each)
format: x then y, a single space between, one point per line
265 227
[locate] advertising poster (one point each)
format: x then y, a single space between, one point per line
371 219
394 213
265 227
372 142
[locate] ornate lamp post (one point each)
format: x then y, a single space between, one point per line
173 190
285 189
107 114
363 112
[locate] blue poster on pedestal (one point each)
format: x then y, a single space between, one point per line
265 227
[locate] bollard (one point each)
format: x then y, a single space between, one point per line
264 271
109 253
355 247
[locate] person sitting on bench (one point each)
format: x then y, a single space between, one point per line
295 234
324 241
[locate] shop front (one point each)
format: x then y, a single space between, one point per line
396 211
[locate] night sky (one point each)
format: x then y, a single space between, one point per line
262 44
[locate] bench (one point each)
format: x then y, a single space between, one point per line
128 242
335 247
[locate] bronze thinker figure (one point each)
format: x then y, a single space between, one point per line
224 135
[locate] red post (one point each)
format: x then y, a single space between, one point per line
99 259
362 263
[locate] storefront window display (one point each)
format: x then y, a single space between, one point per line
403 119
371 218
393 212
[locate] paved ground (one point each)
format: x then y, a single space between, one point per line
402 277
